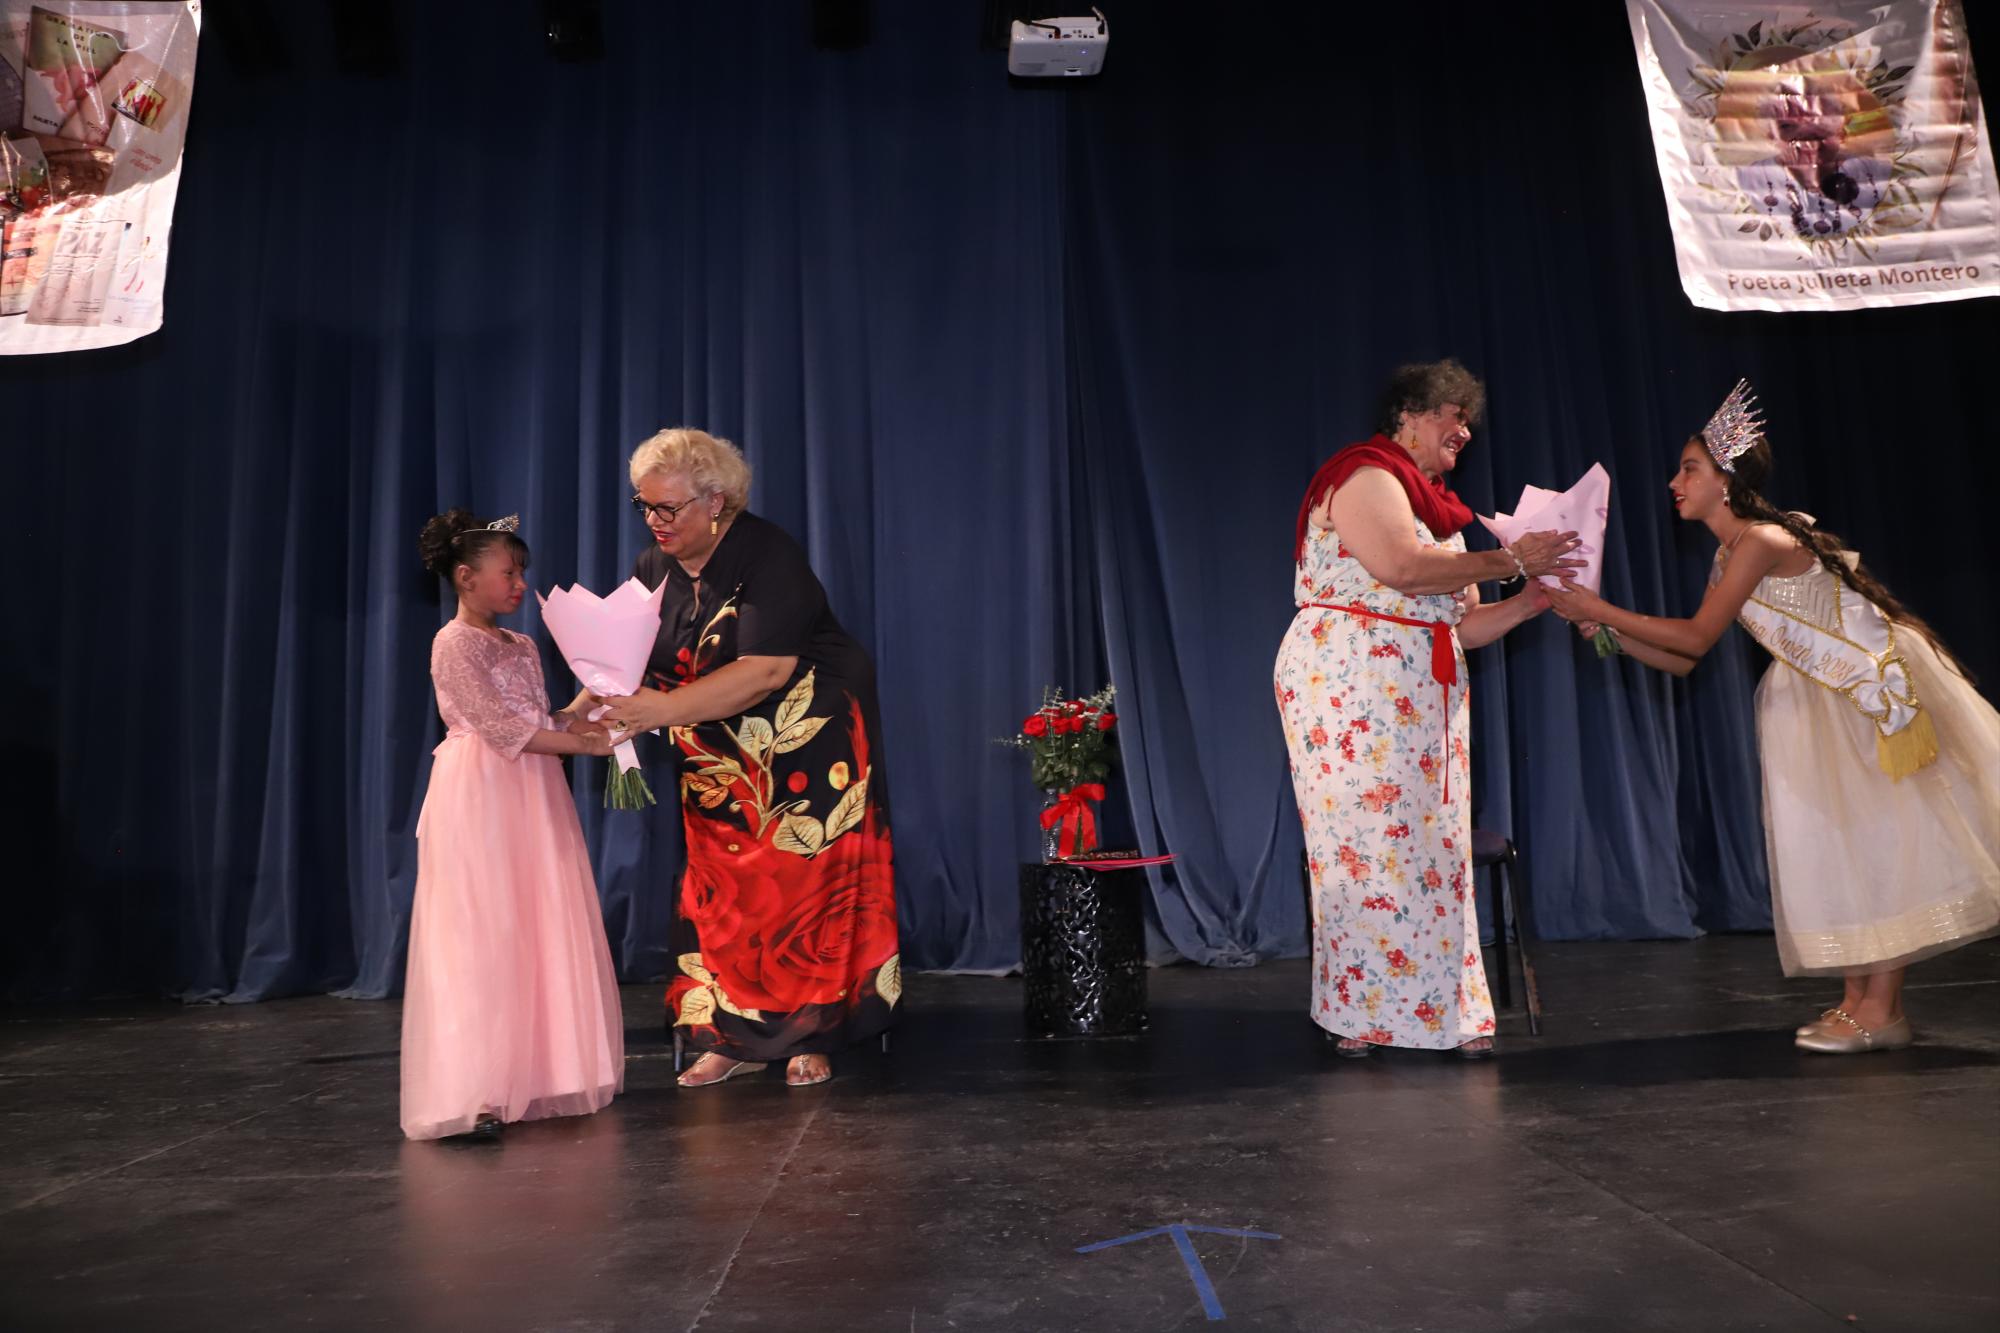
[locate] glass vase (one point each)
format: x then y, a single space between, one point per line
1051 830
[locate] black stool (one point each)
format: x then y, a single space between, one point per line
1497 850
1083 949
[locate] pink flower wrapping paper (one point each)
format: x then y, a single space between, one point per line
1584 509
606 641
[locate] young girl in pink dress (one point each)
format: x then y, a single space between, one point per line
511 1008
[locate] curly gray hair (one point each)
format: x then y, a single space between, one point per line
1425 386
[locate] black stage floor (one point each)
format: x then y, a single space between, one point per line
1660 1159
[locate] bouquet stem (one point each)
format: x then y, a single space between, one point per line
626 789
1606 642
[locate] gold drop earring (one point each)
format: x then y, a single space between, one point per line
713 519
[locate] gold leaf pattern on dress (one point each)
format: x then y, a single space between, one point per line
754 738
697 1007
711 633
889 981
798 734
708 793
713 997
793 710
849 810
801 834
729 1006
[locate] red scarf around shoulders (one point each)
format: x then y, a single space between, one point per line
1441 510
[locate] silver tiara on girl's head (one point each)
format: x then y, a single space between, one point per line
1734 428
513 521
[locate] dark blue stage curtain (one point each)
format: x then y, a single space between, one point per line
1036 373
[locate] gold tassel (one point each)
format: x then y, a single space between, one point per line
1912 748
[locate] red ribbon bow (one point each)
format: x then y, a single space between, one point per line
1079 823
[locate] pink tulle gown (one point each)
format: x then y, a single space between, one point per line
511 1007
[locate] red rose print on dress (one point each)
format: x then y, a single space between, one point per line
779 931
728 894
812 954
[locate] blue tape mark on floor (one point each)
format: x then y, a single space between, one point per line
1210 1304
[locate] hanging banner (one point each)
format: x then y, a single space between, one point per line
93 112
1821 157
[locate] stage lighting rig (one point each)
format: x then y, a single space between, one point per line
1058 48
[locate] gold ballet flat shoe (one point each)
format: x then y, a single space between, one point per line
1824 1018
1841 1035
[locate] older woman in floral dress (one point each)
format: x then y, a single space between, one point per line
787 905
1371 687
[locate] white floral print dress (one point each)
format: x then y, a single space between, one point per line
1374 742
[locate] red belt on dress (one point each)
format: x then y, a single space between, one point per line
1444 665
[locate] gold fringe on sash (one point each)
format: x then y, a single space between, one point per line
1912 748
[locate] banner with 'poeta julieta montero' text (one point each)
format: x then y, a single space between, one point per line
1820 157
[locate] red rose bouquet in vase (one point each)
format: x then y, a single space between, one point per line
1069 756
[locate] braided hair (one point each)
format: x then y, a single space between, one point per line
1746 500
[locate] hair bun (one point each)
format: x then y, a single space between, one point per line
434 543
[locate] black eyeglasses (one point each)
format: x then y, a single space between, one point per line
667 512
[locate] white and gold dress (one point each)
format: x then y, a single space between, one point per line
1881 783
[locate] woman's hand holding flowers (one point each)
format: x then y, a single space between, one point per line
1541 553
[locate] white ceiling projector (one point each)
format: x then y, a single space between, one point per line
1059 48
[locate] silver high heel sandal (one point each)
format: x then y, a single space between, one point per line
796 1065
739 1067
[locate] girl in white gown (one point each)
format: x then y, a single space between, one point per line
1881 761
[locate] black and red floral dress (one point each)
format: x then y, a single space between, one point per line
786 939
